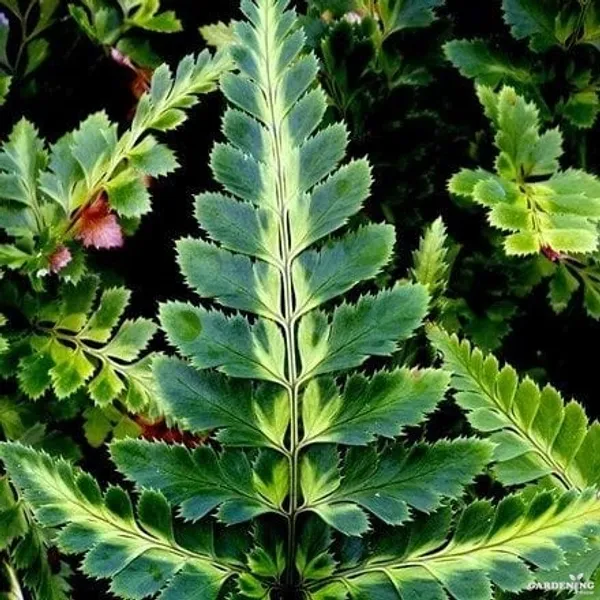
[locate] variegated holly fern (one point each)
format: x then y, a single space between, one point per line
303 450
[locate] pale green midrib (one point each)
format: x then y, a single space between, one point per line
442 555
558 470
287 257
137 533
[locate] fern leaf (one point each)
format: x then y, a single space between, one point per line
198 481
489 545
387 484
430 267
371 327
201 402
476 60
285 192
534 20
366 408
103 526
22 157
536 433
219 35
539 206
79 343
265 364
402 14
91 159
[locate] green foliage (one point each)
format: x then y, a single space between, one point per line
534 431
364 55
317 475
23 48
27 547
118 23
489 545
45 195
81 341
548 24
552 23
430 260
141 553
219 35
542 207
476 60
404 14
103 422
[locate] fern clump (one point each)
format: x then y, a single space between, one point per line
307 487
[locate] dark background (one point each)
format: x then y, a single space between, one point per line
80 78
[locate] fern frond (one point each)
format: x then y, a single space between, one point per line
81 341
489 546
142 555
94 158
271 255
540 207
430 266
266 362
536 433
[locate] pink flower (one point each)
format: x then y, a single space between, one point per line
59 259
97 226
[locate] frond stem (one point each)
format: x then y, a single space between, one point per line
288 301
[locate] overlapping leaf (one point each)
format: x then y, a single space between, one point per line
536 433
103 526
490 545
